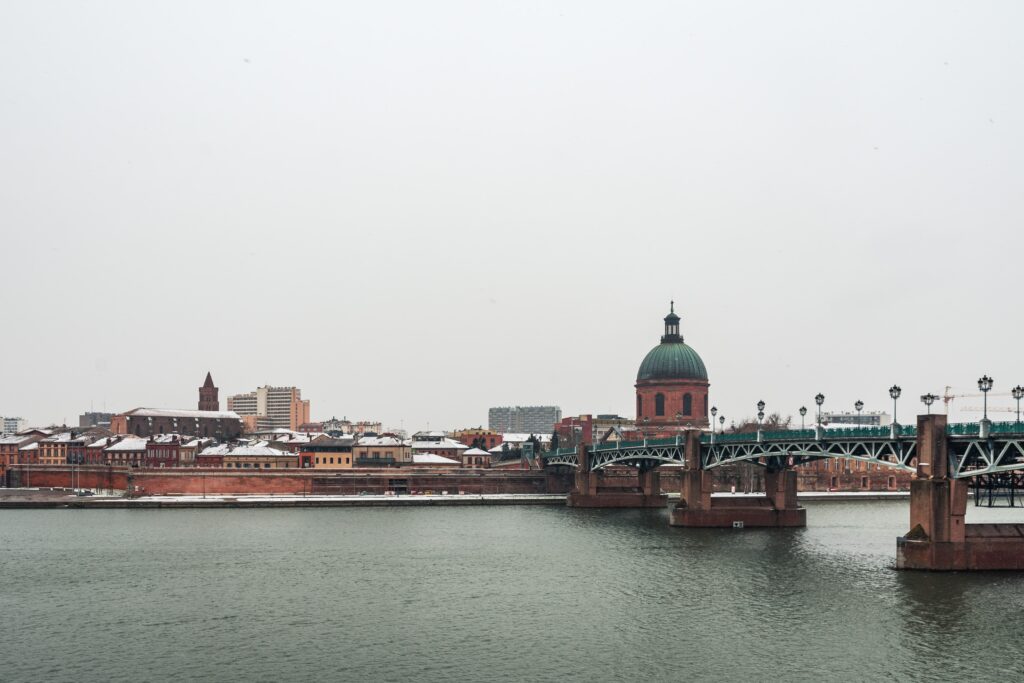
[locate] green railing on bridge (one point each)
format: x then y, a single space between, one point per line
974 429
835 433
558 452
611 446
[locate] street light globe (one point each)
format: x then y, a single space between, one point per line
819 399
985 383
1018 392
894 392
714 411
858 406
760 405
803 410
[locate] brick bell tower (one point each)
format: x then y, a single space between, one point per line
208 395
671 385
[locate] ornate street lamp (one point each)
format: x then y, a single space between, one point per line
858 406
985 384
928 400
819 399
679 419
721 421
894 393
1018 394
803 413
714 411
760 419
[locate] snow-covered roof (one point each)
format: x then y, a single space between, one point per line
222 449
256 450
444 444
129 444
520 437
100 443
15 439
380 441
63 437
191 414
167 438
477 451
31 447
432 459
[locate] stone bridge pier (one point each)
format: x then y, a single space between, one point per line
615 488
939 539
696 508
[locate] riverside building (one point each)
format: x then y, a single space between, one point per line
271 408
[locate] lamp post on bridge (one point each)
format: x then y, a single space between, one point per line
760 418
858 406
985 384
1018 394
646 421
894 394
819 399
928 400
714 411
803 414
721 421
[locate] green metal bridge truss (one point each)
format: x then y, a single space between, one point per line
971 454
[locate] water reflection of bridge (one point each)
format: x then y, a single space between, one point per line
945 457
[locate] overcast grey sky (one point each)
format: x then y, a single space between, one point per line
414 211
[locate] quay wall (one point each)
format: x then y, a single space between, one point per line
215 481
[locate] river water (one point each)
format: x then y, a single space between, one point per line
489 593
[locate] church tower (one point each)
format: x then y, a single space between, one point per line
208 395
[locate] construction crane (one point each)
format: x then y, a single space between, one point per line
948 396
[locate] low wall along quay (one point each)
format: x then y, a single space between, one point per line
200 481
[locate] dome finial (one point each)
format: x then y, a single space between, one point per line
672 306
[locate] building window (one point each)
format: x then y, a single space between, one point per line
863 482
332 460
659 404
705 405
892 482
687 405
833 484
639 406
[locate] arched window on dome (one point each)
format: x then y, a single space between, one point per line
659 404
687 405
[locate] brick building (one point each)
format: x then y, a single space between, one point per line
671 385
222 425
208 395
478 437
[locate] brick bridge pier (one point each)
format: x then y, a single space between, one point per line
939 539
778 507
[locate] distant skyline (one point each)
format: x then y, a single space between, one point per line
416 212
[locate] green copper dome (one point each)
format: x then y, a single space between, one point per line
672 358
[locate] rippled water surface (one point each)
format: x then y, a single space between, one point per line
489 593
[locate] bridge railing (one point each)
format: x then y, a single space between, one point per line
558 452
835 433
618 445
974 428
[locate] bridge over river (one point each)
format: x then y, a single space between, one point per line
944 457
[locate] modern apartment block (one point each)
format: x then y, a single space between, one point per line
12 425
94 419
270 408
524 419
